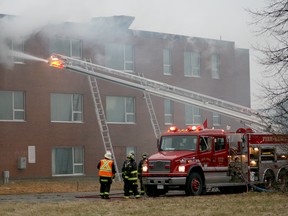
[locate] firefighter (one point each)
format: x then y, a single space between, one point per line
140 164
106 173
129 175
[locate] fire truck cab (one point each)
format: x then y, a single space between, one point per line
197 159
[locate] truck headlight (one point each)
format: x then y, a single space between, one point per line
181 168
145 168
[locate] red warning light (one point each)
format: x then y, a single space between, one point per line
194 128
173 129
56 61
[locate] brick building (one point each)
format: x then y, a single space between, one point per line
48 124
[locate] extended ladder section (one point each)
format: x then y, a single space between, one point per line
102 120
238 112
153 118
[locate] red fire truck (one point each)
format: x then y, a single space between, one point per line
197 159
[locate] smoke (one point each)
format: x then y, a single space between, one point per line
224 19
21 19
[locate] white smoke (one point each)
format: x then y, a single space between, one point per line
221 19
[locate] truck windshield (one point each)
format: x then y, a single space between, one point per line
178 143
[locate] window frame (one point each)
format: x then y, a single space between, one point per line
120 51
168 112
126 113
73 110
74 164
191 69
215 66
71 43
12 45
14 109
214 117
128 61
167 55
195 113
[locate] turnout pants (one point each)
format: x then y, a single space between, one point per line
105 185
131 188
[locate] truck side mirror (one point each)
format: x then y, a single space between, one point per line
158 144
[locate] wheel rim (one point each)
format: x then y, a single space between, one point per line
268 181
195 184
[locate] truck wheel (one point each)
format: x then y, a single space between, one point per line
269 180
194 185
150 190
283 181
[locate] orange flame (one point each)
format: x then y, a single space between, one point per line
54 61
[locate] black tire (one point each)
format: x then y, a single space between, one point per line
282 181
152 191
269 180
194 185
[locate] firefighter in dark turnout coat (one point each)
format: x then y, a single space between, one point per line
106 174
129 175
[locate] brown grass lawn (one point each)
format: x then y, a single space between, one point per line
53 185
251 203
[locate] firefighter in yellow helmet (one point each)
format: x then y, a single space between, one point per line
106 174
129 175
140 164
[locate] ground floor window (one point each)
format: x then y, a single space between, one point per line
68 161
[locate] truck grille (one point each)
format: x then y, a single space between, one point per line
159 166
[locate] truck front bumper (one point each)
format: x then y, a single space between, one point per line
169 181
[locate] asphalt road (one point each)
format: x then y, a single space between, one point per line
56 197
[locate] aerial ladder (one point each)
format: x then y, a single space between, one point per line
241 113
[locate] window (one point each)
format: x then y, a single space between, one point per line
215 66
120 57
219 144
17 47
12 105
68 161
168 111
205 143
120 109
178 143
216 119
192 64
167 61
66 108
67 47
192 115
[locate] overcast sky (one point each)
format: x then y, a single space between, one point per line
214 19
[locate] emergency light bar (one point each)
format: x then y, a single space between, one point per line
189 128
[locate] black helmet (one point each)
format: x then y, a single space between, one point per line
145 155
131 155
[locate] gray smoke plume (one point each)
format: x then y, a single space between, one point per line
19 19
